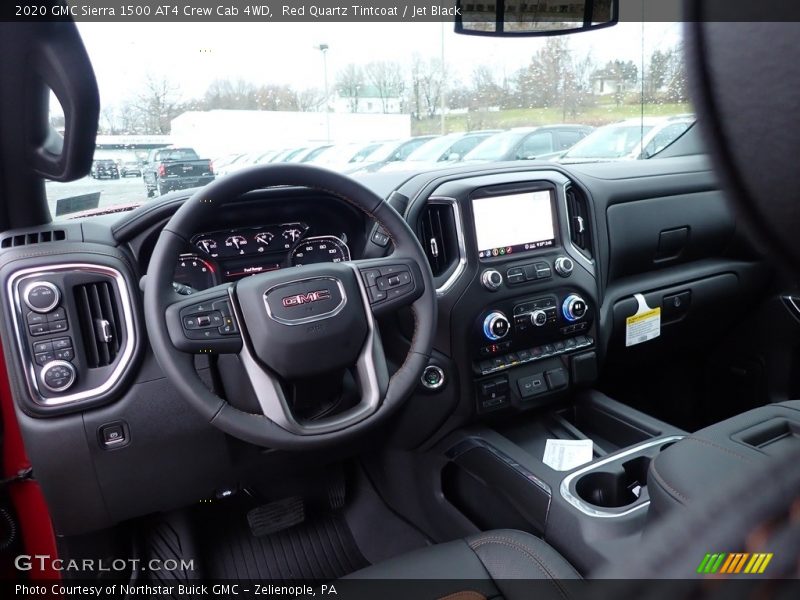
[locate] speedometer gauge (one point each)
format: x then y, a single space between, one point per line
326 248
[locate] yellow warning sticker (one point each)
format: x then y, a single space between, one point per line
644 326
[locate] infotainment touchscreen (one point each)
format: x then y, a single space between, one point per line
514 223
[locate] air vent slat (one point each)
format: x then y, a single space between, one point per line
438 237
100 322
579 221
37 237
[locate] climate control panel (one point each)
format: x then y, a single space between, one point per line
525 323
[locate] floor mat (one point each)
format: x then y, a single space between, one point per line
320 548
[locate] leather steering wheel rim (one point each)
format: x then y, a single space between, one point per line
178 365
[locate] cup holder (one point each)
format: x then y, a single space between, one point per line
621 486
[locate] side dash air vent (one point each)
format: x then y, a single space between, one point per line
438 235
579 221
36 237
99 320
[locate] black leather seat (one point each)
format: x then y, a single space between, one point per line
484 565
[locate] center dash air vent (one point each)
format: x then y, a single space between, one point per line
580 231
439 236
36 237
99 319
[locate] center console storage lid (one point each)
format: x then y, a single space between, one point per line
712 457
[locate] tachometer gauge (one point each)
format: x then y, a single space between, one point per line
326 248
207 245
263 240
239 242
197 273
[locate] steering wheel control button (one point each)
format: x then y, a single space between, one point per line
380 237
491 280
41 296
113 435
573 308
496 326
387 283
58 375
433 377
564 266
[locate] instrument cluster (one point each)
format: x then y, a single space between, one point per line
228 255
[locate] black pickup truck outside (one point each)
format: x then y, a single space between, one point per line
170 169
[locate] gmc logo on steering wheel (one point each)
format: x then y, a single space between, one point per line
308 298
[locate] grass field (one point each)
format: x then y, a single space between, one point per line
601 114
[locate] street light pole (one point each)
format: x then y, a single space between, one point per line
324 49
442 88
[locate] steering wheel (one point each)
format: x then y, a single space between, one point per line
292 324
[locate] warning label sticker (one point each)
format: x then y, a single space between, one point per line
644 326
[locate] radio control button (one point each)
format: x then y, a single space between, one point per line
564 266
573 308
491 280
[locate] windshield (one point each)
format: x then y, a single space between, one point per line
495 147
225 95
610 142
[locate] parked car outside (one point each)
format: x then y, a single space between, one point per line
634 139
441 150
104 168
170 169
527 143
389 152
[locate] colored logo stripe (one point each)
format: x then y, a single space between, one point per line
734 563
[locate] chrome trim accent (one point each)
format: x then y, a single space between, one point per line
47 284
28 364
432 386
58 363
462 246
579 255
594 511
273 403
303 320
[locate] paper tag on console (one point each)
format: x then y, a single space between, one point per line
644 326
565 455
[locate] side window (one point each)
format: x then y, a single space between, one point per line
567 139
403 153
535 145
461 147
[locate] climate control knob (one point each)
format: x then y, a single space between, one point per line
564 266
41 296
491 280
573 308
539 318
496 326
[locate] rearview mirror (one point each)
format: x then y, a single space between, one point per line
529 18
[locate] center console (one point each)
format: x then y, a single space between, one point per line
524 328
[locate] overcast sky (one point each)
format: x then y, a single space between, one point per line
193 55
